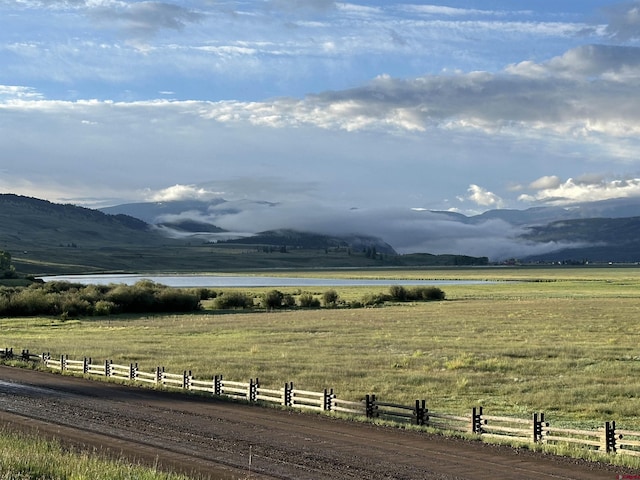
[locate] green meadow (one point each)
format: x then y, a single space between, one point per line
563 341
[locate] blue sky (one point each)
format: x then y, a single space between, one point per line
388 109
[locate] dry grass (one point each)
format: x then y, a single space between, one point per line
564 342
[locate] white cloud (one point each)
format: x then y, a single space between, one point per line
484 198
183 192
545 183
8 92
586 189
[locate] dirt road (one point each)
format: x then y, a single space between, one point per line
225 441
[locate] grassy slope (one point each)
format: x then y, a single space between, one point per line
565 345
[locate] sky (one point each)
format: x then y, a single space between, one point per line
362 115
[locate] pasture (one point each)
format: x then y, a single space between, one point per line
564 341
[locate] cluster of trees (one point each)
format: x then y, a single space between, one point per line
398 293
68 299
275 299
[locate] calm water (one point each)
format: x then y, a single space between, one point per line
246 281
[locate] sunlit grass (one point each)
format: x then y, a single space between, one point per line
28 457
563 342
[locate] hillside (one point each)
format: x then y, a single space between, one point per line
594 240
48 238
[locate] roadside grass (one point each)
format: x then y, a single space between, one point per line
29 457
559 341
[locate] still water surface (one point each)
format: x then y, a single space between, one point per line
246 281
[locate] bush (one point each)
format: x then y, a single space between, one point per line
175 300
29 302
398 293
307 300
330 298
104 307
427 293
73 305
288 301
233 300
273 299
371 299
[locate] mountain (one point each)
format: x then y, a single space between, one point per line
592 239
45 238
288 238
33 222
530 235
613 208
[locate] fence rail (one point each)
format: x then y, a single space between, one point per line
536 429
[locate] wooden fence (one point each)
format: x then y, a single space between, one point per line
607 439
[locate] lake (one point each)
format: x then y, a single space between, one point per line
185 281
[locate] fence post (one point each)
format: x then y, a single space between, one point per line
253 389
186 379
327 403
288 394
107 368
25 355
133 370
85 366
610 437
370 407
217 385
63 363
476 420
537 427
159 374
420 411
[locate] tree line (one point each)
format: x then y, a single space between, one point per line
72 300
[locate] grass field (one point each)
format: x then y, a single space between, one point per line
30 457
563 341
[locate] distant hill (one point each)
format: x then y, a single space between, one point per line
47 238
614 208
30 221
44 237
594 239
294 239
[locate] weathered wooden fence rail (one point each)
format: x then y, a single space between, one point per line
536 429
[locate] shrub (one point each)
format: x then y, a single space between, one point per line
272 299
104 307
307 300
233 300
73 306
175 300
427 293
29 302
330 298
205 293
288 301
371 299
398 293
